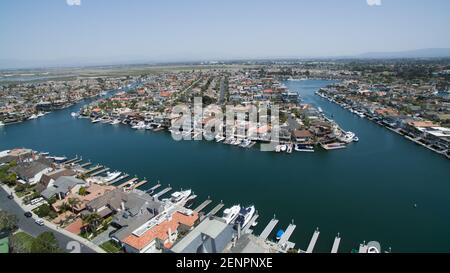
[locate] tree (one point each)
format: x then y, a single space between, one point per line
45 243
73 203
83 191
43 211
92 220
7 221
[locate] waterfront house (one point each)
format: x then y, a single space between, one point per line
212 235
302 136
47 178
62 186
160 232
31 172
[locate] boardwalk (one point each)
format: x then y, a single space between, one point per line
161 193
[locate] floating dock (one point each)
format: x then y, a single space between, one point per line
203 205
313 242
337 242
161 193
85 164
287 234
363 248
76 161
215 210
70 161
247 228
118 179
100 171
128 182
93 169
152 189
143 182
268 229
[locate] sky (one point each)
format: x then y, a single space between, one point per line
39 32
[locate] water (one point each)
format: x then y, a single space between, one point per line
366 192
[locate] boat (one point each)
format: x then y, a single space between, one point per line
320 110
33 117
2 124
180 197
96 120
356 139
245 143
334 146
283 148
74 115
373 247
230 214
57 159
304 148
40 114
245 215
347 137
111 176
115 122
279 234
140 126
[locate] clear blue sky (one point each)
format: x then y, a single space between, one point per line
42 31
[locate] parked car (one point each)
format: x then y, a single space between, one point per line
28 214
10 197
39 222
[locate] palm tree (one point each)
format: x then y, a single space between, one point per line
73 203
92 220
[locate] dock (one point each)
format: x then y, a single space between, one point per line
363 248
313 242
337 242
85 164
286 235
100 171
76 161
268 229
152 189
70 161
128 182
93 169
215 210
118 179
161 193
203 205
143 182
247 228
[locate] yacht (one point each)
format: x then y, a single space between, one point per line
356 139
230 214
115 122
96 120
180 197
304 148
219 138
2 124
74 115
40 114
110 176
320 110
33 117
246 143
245 215
140 126
347 137
283 148
373 247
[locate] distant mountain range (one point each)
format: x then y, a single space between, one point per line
419 53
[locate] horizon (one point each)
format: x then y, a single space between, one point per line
88 33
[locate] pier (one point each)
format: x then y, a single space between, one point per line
128 182
100 171
286 235
337 242
76 161
85 165
118 179
71 161
93 169
203 205
268 229
152 189
161 193
313 241
215 210
143 182
247 228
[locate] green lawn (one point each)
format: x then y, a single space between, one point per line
110 247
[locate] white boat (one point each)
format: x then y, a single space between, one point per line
111 176
115 122
219 138
180 197
245 143
356 139
245 215
96 120
304 148
347 137
283 148
140 126
33 117
2 124
74 115
40 114
230 214
320 110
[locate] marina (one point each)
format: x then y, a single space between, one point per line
303 181
336 243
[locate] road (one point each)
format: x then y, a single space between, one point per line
29 226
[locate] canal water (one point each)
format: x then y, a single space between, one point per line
366 192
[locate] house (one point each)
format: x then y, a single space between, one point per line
51 177
160 232
62 186
31 172
212 235
302 136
